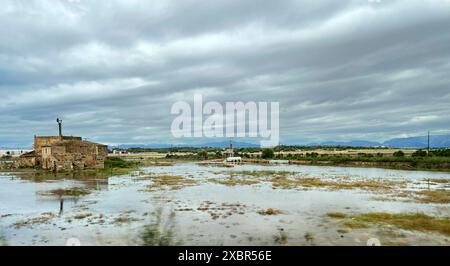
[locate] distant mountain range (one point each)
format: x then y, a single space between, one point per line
442 141
222 144
355 143
436 141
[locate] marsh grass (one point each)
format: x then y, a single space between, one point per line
172 182
440 196
286 183
337 215
438 181
261 173
124 218
265 173
269 212
355 224
70 192
405 221
234 181
80 216
309 237
43 219
155 163
160 233
409 221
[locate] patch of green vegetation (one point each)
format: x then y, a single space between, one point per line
267 154
342 231
172 182
441 196
115 162
70 192
262 173
355 224
309 237
399 154
234 181
159 233
83 215
44 218
124 218
286 183
119 166
433 162
406 221
337 215
438 181
156 163
269 211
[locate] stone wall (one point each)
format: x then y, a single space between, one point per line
73 154
42 141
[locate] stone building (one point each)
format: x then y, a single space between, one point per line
58 153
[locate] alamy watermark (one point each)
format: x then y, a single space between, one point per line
231 119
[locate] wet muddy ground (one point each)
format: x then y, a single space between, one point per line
191 204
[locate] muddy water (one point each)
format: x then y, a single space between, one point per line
121 210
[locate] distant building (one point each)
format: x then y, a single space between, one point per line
12 152
120 152
231 158
58 153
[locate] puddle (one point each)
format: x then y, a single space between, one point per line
192 204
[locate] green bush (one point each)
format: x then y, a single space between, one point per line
115 162
419 153
399 154
267 154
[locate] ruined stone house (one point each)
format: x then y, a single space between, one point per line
58 153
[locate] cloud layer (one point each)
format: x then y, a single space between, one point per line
341 70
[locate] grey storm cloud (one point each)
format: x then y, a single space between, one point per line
341 70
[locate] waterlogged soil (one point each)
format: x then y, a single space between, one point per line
192 204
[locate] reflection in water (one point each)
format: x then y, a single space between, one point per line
2 240
120 209
160 233
61 206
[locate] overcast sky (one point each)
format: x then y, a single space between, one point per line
341 70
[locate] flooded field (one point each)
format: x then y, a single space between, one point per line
192 204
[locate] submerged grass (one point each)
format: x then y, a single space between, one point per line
406 221
234 181
270 211
286 183
260 173
441 196
70 192
337 215
409 221
265 173
160 233
44 218
439 180
172 182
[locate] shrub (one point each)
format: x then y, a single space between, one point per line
267 154
399 154
419 153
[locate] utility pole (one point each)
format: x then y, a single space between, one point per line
428 143
231 149
59 121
